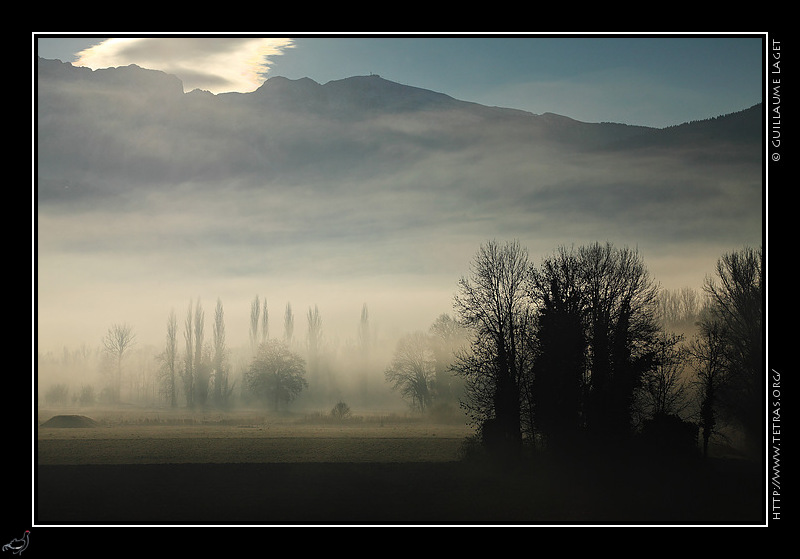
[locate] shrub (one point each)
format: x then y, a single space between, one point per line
56 394
669 435
341 411
86 396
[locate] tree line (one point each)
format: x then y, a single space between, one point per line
276 370
581 349
574 352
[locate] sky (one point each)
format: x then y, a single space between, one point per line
649 80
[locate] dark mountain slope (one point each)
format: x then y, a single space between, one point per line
98 130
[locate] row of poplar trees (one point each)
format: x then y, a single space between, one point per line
203 374
559 351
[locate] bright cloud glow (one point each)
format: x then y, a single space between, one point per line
217 65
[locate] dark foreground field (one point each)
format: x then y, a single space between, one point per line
385 493
367 476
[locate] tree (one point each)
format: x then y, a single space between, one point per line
622 327
559 381
493 304
364 337
169 361
679 309
314 343
412 371
314 335
341 411
255 311
220 370
737 304
117 341
202 365
364 365
276 375
288 324
447 336
663 389
187 375
708 350
264 322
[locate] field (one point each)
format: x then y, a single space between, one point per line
250 468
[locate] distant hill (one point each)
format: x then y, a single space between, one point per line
139 124
357 191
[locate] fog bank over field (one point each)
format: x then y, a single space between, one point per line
358 191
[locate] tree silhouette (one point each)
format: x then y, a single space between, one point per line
492 303
412 371
202 365
663 388
560 363
220 371
255 312
596 312
117 341
276 375
169 361
737 304
187 374
288 324
364 336
447 336
622 326
708 350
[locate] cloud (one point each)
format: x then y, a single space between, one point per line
217 65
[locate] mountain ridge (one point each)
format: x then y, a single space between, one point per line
362 92
193 194
100 129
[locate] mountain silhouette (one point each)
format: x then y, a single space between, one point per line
115 137
358 188
139 124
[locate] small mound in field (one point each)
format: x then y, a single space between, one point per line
70 421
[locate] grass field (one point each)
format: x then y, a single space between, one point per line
157 468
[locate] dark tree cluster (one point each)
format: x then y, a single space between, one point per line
573 353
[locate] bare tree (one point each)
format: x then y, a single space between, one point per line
117 341
169 361
220 371
622 327
288 325
709 352
276 375
255 311
737 297
493 304
314 345
264 322
679 309
314 334
664 389
364 337
412 371
187 375
202 366
447 338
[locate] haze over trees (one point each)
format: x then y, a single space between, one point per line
117 342
580 346
277 375
581 350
